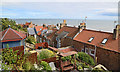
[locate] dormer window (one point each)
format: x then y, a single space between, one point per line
104 41
90 39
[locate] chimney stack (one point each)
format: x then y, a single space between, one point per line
116 32
64 21
83 25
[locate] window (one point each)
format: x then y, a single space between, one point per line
90 39
40 40
82 50
92 52
104 41
86 50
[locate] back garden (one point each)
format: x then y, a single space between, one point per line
16 60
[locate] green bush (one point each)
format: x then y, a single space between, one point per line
66 58
86 58
31 39
27 65
45 66
45 53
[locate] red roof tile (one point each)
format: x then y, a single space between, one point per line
72 30
99 36
12 35
38 28
27 23
44 28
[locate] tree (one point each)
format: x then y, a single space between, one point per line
31 39
6 22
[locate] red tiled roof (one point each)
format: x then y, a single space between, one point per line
12 35
66 50
38 28
44 28
99 36
27 23
72 30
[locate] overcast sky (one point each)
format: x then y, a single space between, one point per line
52 9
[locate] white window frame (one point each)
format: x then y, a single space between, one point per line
86 49
104 40
90 50
91 39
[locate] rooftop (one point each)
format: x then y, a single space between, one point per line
72 31
99 37
11 35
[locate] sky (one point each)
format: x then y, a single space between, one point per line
59 9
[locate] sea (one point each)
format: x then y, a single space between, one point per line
99 25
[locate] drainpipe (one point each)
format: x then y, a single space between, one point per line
95 55
84 47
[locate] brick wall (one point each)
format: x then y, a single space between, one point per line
66 42
108 58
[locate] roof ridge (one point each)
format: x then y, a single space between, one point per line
97 31
70 26
16 33
5 34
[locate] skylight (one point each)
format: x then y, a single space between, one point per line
90 39
104 41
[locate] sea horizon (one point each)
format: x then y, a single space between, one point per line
99 25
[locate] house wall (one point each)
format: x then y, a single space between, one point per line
13 43
110 59
66 42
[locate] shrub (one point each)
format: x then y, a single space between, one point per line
31 39
45 53
27 65
86 58
66 58
45 66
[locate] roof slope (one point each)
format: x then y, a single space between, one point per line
52 34
99 36
71 30
11 35
38 28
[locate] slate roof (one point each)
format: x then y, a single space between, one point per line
31 31
62 34
99 36
52 34
11 35
72 31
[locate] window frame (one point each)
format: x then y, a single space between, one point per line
105 41
90 52
87 49
91 40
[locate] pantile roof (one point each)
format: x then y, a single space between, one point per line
11 35
38 28
99 36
